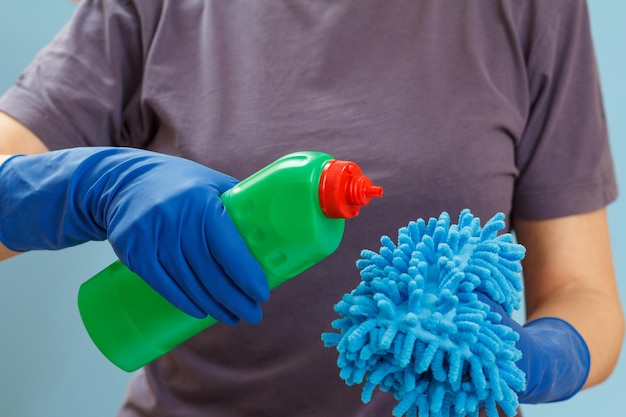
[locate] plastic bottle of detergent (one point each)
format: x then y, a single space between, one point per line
291 215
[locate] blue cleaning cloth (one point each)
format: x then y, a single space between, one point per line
416 328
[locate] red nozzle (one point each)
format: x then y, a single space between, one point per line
344 189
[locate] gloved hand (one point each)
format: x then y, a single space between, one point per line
555 357
162 215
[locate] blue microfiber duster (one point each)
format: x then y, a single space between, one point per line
416 326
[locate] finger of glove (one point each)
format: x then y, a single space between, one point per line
219 287
216 295
230 251
167 286
498 309
217 283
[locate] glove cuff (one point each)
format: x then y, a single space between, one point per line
556 363
45 202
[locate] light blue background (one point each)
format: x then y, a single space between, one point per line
48 365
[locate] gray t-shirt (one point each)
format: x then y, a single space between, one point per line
487 105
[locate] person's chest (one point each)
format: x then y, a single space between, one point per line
429 104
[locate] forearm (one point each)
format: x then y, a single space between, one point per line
5 253
569 274
597 316
15 138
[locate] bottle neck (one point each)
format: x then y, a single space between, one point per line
343 189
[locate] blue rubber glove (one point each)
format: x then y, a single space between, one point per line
555 357
162 215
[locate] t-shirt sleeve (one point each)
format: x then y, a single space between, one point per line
564 159
75 91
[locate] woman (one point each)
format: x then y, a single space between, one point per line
494 106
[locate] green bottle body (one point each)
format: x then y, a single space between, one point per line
278 213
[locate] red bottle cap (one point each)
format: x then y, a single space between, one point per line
344 189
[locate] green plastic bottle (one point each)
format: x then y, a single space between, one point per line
291 215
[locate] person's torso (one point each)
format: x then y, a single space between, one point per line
429 98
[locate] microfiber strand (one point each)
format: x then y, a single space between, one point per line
415 325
